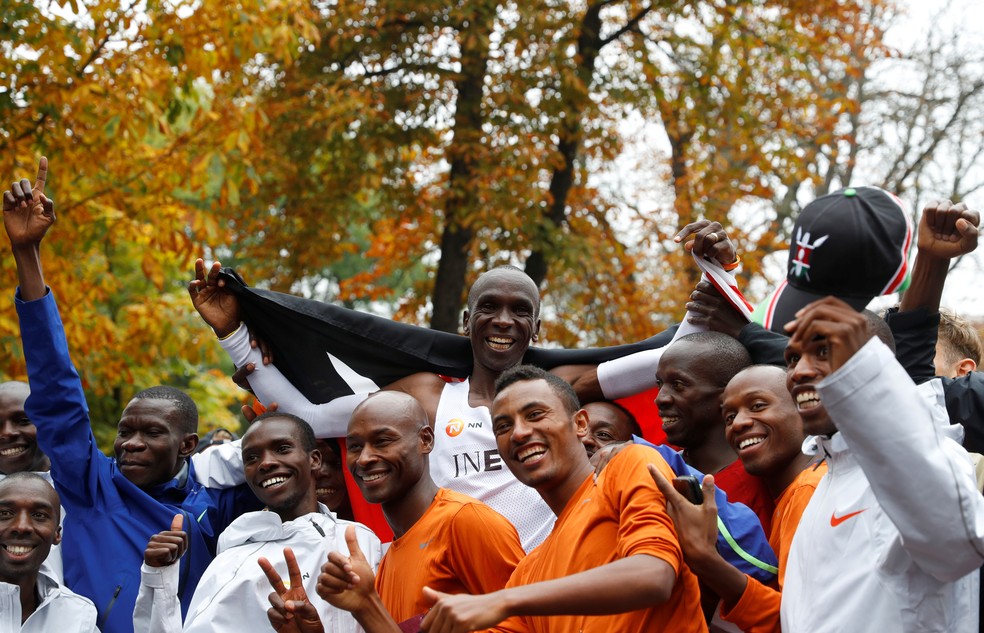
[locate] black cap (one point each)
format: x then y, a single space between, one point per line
852 244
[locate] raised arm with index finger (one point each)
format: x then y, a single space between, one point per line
27 216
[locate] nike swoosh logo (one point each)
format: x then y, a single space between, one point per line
837 520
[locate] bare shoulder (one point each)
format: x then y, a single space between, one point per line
426 387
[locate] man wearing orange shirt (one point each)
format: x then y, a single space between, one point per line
612 561
443 539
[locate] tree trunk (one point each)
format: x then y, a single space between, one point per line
589 44
464 154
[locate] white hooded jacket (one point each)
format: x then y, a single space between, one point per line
232 594
894 534
60 610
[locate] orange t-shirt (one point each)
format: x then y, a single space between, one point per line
459 545
620 515
758 609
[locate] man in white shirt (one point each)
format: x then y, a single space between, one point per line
895 530
30 600
281 465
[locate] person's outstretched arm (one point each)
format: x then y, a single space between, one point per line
636 373
945 231
57 403
220 310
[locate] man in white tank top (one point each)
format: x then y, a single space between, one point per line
502 319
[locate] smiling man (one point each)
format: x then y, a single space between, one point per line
19 450
113 506
890 537
281 464
330 484
691 377
30 600
444 539
608 423
612 561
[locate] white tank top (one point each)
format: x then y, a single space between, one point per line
465 459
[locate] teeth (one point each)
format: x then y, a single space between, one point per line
273 481
18 549
499 343
752 441
807 399
529 452
324 491
669 419
9 452
372 477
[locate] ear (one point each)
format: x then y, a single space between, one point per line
464 322
315 460
581 423
536 330
965 366
57 538
426 439
188 444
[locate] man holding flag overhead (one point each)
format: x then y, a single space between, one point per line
329 358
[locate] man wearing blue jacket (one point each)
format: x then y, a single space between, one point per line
115 505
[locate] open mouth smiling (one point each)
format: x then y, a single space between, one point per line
531 454
750 441
807 399
13 452
276 480
371 477
500 343
19 550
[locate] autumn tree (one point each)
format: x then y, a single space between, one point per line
450 138
143 112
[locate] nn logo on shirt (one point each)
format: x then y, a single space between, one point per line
456 426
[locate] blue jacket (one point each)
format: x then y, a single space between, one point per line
741 540
108 519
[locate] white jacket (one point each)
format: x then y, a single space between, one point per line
232 594
60 611
894 534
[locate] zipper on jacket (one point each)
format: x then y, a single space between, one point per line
109 607
318 528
